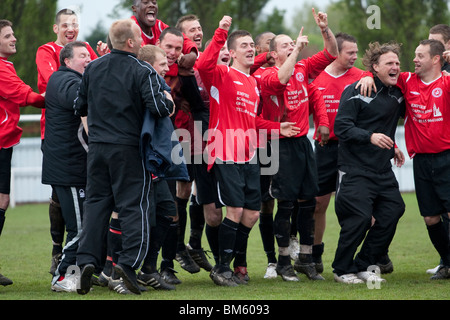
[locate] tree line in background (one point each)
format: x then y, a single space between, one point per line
405 21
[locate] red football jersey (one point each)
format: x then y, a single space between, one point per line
47 61
14 93
331 88
234 100
159 26
427 117
290 102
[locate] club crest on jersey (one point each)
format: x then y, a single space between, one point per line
437 92
300 77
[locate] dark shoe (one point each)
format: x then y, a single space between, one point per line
56 259
186 262
169 276
305 265
154 280
223 277
317 252
199 257
241 275
287 272
101 280
86 279
385 264
4 281
442 273
118 286
128 276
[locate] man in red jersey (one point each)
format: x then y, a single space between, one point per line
14 93
232 140
287 96
427 135
331 82
144 14
202 208
66 28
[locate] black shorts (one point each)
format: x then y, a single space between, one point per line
205 183
5 170
432 182
296 178
238 185
327 169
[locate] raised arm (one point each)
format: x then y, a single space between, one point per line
207 63
329 41
286 70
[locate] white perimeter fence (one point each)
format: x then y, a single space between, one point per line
26 186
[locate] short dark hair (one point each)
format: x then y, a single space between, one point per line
231 43
67 51
341 37
259 36
436 48
172 30
441 29
67 12
188 17
5 23
376 50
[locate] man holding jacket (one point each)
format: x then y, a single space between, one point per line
114 93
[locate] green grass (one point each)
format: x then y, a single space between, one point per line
25 248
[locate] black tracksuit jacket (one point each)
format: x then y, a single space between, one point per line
65 144
358 118
113 94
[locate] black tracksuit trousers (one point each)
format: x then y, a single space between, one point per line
361 195
116 180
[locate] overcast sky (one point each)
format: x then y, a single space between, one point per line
94 11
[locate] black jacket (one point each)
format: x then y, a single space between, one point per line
65 144
113 94
358 118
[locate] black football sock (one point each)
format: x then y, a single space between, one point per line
267 236
212 235
240 259
227 241
439 238
182 220
197 223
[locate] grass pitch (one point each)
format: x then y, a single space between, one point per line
25 252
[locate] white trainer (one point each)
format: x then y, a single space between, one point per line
271 272
433 271
68 284
349 278
369 276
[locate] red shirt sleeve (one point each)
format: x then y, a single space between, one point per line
47 61
13 89
207 63
317 106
